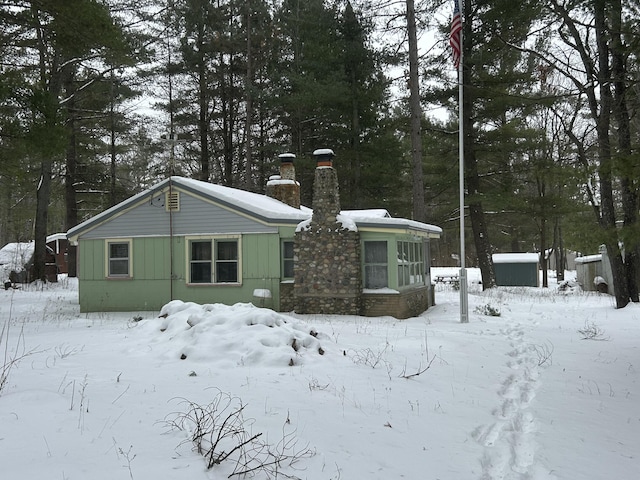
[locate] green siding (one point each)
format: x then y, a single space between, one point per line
516 274
151 288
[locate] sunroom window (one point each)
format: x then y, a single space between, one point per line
375 264
410 263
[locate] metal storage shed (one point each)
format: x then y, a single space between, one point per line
516 269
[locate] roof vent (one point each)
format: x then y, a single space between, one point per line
172 201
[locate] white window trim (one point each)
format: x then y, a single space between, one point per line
212 238
107 258
282 259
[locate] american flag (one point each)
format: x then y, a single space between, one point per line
456 33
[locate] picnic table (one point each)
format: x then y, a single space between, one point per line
451 279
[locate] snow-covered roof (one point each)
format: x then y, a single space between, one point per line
380 218
260 206
367 214
56 236
589 258
254 203
515 258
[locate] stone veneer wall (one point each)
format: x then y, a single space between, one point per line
328 277
287 300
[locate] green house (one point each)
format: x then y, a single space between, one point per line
199 242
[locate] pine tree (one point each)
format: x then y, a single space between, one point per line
54 38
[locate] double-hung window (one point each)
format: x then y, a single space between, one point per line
287 259
213 260
119 258
375 264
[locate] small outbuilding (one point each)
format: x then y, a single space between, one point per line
593 272
516 269
16 260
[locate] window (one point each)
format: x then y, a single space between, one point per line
213 261
410 263
201 262
226 261
119 259
287 259
375 264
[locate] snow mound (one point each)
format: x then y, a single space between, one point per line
240 334
15 257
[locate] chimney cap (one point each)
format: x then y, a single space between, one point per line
324 152
286 157
324 157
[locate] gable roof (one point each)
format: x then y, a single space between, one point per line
261 207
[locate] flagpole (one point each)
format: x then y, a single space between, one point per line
464 298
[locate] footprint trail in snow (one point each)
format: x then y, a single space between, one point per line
509 447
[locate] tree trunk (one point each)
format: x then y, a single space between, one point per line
605 168
112 144
544 264
558 247
70 177
248 124
476 212
43 195
621 113
203 120
419 211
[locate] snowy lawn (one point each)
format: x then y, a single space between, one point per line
549 389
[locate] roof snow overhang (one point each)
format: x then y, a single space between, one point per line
262 208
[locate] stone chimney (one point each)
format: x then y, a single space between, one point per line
327 272
284 187
326 198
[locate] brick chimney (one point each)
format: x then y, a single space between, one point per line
284 187
327 272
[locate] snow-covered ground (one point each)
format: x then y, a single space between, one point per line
550 389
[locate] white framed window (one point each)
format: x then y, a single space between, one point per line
410 263
118 258
376 270
213 260
287 259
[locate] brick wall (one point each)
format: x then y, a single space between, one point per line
399 305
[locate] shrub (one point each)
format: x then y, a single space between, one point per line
487 310
220 433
